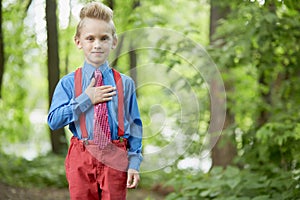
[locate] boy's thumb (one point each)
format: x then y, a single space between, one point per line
92 83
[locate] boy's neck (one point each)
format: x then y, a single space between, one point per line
97 67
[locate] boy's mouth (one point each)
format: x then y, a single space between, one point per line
97 53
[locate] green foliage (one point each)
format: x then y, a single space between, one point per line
237 184
256 49
275 142
262 56
14 105
166 14
41 172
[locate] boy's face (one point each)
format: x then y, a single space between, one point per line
96 41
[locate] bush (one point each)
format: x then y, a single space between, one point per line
41 172
238 184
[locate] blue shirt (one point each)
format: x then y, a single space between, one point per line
65 110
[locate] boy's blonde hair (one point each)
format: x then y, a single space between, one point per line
99 11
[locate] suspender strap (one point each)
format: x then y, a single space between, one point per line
119 84
78 91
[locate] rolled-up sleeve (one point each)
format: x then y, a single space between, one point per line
135 126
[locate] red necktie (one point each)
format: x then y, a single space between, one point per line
101 126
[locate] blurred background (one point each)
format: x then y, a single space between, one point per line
218 89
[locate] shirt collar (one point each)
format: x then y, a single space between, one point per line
90 69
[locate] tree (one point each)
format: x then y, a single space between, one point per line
1 51
131 51
224 150
110 3
58 137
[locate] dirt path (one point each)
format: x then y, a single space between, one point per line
15 193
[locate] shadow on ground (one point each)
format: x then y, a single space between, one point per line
15 193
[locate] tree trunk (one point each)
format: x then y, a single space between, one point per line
58 137
118 51
133 63
266 97
1 51
68 44
132 52
110 3
224 149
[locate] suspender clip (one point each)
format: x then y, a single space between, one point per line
85 141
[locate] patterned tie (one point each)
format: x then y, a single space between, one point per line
101 127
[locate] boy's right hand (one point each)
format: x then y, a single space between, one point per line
100 94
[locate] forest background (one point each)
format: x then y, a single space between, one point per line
217 83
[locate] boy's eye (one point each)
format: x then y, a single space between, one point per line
90 38
105 38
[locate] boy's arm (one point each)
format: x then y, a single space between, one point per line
135 158
135 126
64 108
135 136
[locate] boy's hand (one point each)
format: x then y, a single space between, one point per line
133 178
100 94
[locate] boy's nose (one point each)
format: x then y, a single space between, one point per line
97 44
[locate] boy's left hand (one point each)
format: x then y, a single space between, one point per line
133 178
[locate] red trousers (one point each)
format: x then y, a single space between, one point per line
90 179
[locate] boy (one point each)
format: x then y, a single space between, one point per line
96 168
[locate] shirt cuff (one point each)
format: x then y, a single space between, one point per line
83 103
135 161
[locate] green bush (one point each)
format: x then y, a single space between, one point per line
237 184
41 172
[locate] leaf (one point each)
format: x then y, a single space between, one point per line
262 197
297 132
231 171
232 183
205 193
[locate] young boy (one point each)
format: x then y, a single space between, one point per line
97 170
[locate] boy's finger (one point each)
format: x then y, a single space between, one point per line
92 83
106 91
104 87
129 180
110 94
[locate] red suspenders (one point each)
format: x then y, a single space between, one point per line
78 91
119 84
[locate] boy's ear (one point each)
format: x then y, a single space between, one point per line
115 42
77 42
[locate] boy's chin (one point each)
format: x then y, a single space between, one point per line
97 63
